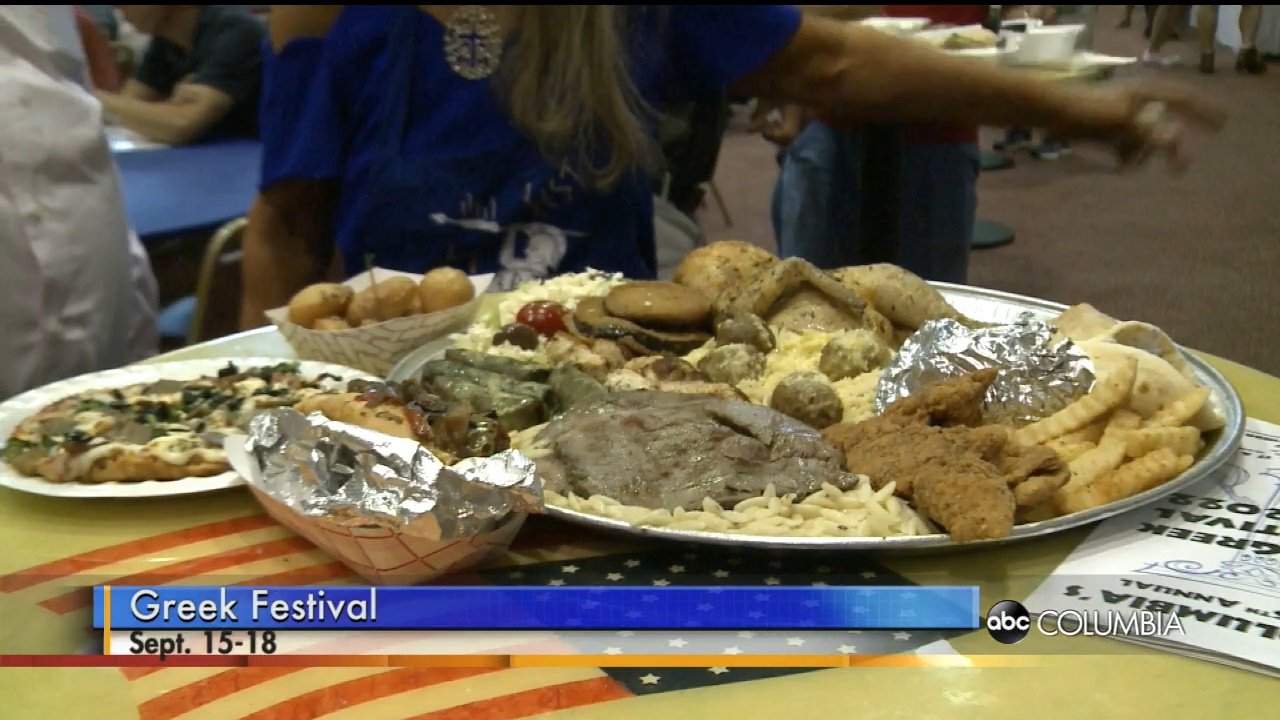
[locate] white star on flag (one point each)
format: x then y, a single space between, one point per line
626 633
660 582
632 563
570 569
676 569
612 651
868 574
746 634
902 636
557 582
677 643
795 642
848 649
720 574
772 581
613 577
735 650
718 670
704 607
650 679
819 583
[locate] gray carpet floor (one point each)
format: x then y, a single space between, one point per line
1198 255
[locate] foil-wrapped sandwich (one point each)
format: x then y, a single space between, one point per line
386 506
1038 371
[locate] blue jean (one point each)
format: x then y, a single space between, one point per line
817 213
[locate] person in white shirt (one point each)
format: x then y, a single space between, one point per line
77 293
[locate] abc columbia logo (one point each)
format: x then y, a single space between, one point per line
1008 622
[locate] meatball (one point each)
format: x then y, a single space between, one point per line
746 329
851 354
809 399
731 364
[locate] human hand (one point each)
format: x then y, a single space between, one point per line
779 124
1138 122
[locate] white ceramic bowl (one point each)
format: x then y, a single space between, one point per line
1048 44
896 25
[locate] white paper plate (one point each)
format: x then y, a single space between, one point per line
20 407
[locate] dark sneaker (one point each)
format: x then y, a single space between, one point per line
1051 150
1015 139
1249 62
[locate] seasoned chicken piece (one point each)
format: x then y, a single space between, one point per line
903 297
795 295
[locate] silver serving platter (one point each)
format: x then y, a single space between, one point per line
980 304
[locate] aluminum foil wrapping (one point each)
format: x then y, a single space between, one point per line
355 476
1038 373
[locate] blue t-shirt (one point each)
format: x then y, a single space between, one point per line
432 172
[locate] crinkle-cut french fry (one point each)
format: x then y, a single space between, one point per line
1120 422
1090 433
1108 392
1181 440
1180 411
1086 468
1128 480
1069 451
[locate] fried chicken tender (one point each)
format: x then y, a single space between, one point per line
969 479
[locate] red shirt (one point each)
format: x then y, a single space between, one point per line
950 15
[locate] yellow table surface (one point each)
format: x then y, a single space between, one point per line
51 546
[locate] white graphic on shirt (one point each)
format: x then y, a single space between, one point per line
543 249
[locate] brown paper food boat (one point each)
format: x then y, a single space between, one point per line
376 348
388 557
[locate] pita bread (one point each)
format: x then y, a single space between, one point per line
1084 322
1158 383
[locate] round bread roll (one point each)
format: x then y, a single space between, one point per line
331 323
445 288
392 298
723 265
319 301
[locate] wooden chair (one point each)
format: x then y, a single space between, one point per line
217 307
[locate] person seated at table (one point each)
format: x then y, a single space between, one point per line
199 78
78 291
413 137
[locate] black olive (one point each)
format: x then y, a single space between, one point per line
77 435
229 370
518 334
199 426
163 412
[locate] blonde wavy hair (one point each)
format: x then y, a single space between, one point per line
566 84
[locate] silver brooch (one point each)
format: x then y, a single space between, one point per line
472 42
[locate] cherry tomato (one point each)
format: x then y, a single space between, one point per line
544 316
